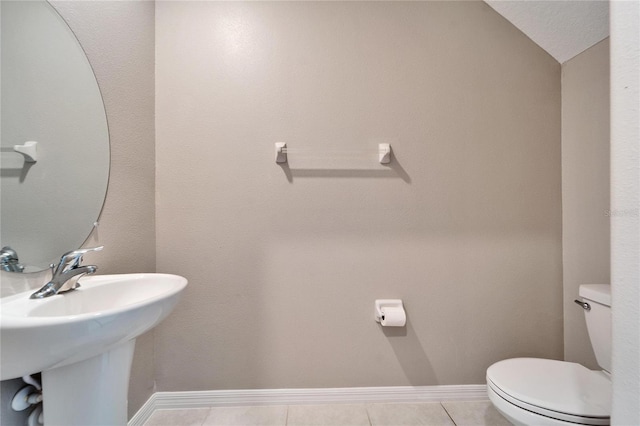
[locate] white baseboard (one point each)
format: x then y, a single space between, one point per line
227 398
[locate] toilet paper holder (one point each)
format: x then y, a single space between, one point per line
386 303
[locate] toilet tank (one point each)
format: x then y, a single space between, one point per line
598 319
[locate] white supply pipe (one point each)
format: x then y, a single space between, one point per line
35 398
31 381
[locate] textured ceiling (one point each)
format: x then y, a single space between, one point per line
564 28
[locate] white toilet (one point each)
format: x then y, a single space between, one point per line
532 391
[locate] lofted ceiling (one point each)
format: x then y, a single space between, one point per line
563 28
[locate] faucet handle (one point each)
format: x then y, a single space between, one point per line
74 257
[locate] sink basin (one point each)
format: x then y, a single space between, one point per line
106 311
83 341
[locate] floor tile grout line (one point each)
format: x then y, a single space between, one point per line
286 418
206 417
366 409
446 411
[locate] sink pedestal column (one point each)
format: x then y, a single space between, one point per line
89 392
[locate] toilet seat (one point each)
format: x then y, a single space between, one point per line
559 390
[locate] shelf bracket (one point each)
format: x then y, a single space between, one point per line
384 153
281 152
29 150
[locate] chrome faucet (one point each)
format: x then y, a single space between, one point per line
66 275
9 260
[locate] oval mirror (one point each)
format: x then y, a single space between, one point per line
49 95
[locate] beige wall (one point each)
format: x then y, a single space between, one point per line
118 38
585 189
284 263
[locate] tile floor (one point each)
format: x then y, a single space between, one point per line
477 413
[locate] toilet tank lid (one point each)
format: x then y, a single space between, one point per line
600 293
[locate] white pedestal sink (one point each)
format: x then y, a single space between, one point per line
82 342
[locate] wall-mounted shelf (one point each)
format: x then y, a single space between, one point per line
282 151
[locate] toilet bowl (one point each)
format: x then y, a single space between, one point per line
533 391
548 392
